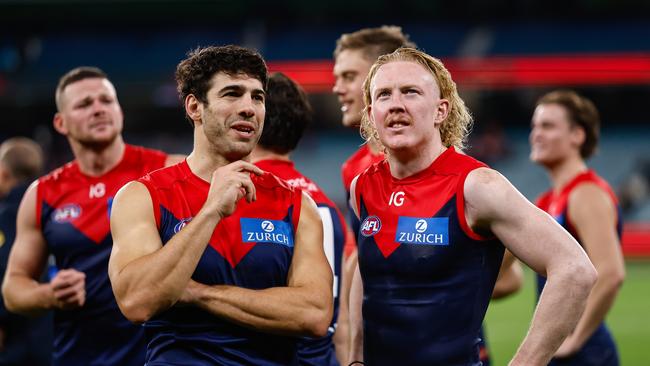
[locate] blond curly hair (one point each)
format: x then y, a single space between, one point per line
458 124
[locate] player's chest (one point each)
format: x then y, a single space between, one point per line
407 216
78 211
263 229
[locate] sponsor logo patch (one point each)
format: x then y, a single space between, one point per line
370 226
266 231
66 213
422 231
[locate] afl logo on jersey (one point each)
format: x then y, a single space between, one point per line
370 226
181 224
66 213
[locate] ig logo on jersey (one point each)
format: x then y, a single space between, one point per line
370 226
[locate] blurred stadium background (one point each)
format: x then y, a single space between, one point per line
503 54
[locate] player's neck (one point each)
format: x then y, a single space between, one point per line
564 171
261 153
95 162
375 147
403 164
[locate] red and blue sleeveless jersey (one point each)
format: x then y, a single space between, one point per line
361 160
73 213
317 351
556 204
252 248
427 277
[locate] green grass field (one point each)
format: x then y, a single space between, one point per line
507 320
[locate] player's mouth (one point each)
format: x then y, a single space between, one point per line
398 124
244 129
100 124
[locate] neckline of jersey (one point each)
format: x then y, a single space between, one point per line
128 149
271 162
572 183
436 165
185 167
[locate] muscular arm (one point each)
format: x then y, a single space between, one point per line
593 215
303 307
342 335
148 277
494 205
510 279
356 297
356 317
21 290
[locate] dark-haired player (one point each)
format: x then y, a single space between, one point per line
223 263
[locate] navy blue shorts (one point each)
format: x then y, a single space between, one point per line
600 350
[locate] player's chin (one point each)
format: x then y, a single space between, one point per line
241 149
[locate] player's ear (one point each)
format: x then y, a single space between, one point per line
193 108
58 124
441 112
578 135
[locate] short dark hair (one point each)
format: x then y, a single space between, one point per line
582 112
74 75
374 42
22 157
194 74
288 113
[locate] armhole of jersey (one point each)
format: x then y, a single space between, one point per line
39 204
155 202
297 205
349 244
460 208
357 197
612 197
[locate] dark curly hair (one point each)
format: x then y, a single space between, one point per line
288 113
194 74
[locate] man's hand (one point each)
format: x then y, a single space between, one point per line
229 184
69 289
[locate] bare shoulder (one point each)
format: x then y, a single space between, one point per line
27 211
485 184
131 203
590 195
307 201
490 196
30 195
590 201
132 191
